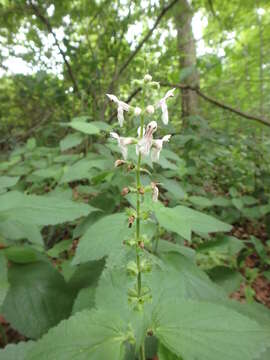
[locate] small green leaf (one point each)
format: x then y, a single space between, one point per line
8 181
70 141
86 128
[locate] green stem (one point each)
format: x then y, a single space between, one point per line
138 213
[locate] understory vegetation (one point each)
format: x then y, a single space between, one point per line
134 180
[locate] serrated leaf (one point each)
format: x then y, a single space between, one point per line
103 237
78 171
206 331
40 210
16 351
70 141
84 127
184 220
38 298
94 335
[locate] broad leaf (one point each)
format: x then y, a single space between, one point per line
16 351
94 335
15 230
70 141
40 210
8 181
184 220
207 331
84 127
103 237
38 298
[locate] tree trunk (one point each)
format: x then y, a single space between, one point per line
187 56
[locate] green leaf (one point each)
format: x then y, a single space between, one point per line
23 254
200 201
58 248
86 128
77 171
40 210
38 298
70 141
225 244
165 354
103 237
16 351
184 220
206 331
4 285
227 278
186 281
174 188
15 230
8 181
95 335
221 201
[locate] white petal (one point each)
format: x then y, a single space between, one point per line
114 135
164 109
155 192
169 93
166 138
113 98
120 115
124 105
139 131
155 152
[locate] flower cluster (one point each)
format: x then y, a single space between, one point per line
145 143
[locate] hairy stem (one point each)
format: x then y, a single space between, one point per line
138 209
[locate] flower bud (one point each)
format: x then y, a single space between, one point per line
137 111
147 78
119 162
150 109
125 191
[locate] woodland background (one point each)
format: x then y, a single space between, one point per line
58 59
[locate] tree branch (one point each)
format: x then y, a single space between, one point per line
46 22
147 36
220 104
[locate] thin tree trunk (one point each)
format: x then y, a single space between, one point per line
187 58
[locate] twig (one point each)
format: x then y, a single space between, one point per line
46 22
220 104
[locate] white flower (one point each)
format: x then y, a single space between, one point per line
123 142
144 144
163 105
155 191
157 147
137 111
150 109
122 106
147 78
